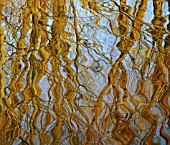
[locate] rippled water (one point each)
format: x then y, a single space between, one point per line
81 72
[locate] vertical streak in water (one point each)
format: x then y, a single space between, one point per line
2 53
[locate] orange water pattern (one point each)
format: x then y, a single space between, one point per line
84 72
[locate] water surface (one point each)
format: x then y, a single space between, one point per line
81 72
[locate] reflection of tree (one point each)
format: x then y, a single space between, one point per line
158 78
83 72
2 53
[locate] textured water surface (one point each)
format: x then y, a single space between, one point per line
84 72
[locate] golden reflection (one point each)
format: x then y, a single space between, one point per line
84 72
